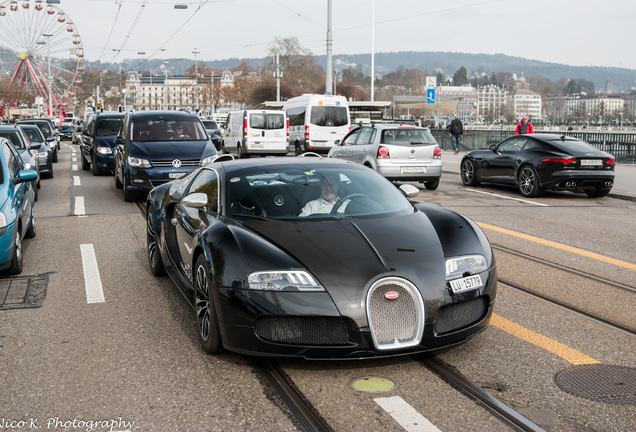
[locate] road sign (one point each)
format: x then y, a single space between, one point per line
430 96
431 81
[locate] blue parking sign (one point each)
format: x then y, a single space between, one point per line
430 96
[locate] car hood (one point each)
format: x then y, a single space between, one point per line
346 256
158 150
106 141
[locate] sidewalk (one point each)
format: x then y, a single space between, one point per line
624 183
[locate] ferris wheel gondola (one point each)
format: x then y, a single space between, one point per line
34 35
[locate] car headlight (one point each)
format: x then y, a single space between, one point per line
472 264
207 160
43 154
104 150
284 280
138 162
3 224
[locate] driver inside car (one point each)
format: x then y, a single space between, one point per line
324 204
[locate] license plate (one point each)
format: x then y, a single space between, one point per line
413 170
591 162
175 175
466 284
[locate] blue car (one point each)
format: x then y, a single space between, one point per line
156 147
96 142
17 196
28 152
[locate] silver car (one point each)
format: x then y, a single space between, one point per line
398 152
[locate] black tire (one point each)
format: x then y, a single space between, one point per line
118 184
528 182
205 310
54 156
96 170
50 173
129 196
155 261
431 185
31 231
35 193
597 193
85 164
16 262
469 173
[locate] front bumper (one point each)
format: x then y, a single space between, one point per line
144 179
309 325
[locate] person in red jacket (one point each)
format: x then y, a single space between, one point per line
524 127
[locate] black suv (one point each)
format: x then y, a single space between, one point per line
48 130
96 143
156 147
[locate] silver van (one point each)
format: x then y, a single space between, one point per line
256 132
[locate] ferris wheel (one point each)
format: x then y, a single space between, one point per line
41 54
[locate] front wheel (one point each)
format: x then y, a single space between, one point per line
469 173
206 316
16 262
528 181
85 164
154 256
96 169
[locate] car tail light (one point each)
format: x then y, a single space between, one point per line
437 153
383 153
307 134
560 160
610 161
287 127
245 127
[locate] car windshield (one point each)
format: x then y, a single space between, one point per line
14 137
329 116
168 129
407 136
297 193
108 126
33 135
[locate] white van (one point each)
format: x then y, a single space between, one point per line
256 132
316 121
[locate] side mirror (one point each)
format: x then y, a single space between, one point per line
492 147
195 200
409 190
118 140
33 146
25 176
336 142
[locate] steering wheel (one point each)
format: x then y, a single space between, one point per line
341 201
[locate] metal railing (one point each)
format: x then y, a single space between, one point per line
621 145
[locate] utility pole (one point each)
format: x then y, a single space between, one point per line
278 75
328 83
196 76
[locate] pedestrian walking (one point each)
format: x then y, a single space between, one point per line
524 127
456 129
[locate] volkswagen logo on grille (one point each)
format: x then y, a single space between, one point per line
391 295
279 200
176 163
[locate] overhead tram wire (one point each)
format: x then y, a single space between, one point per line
112 28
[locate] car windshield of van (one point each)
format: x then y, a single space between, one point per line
407 136
108 127
329 116
267 121
33 134
168 129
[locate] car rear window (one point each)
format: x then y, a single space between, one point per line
403 136
329 116
267 121
573 145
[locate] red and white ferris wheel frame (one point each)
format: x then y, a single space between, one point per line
38 33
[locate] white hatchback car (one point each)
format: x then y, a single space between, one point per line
398 152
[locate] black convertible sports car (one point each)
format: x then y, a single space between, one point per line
535 163
272 268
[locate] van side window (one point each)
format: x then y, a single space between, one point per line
296 116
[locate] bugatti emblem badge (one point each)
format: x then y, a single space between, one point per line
391 295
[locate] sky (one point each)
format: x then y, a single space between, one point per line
577 33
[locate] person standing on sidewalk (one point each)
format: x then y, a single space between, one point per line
456 129
524 127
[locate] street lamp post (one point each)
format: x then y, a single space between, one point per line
48 54
196 76
165 85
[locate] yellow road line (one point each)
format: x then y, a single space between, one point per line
541 341
560 246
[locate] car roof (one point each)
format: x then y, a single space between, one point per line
307 162
154 114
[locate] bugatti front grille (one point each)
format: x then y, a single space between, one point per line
318 331
396 313
461 315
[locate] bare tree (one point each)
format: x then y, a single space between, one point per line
299 65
